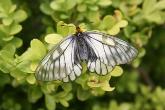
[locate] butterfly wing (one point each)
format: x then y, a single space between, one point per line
110 51
59 63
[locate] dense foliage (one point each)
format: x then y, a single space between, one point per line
29 28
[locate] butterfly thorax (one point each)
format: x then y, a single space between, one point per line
84 50
82 47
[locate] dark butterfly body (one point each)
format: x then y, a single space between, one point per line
83 50
100 51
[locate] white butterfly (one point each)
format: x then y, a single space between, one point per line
101 52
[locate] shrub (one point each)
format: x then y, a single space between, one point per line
28 29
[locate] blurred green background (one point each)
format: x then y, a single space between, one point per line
29 28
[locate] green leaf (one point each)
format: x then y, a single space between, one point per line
20 16
10 49
5 5
108 22
83 80
34 94
118 71
4 68
144 90
104 2
136 63
36 51
62 28
7 58
148 6
63 97
67 87
17 74
55 5
8 38
50 102
142 52
113 105
128 30
5 79
65 29
139 38
93 16
17 42
15 28
33 66
31 79
53 38
49 88
83 27
106 87
69 96
83 94
155 17
69 4
12 8
116 28
45 8
112 24
93 82
7 21
64 103
160 5
64 16
82 8
94 8
24 67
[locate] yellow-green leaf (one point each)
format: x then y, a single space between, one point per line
106 87
31 79
33 66
53 38
118 71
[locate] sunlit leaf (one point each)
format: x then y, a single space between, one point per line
118 71
50 102
53 38
31 79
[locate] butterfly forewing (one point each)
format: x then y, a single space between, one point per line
59 63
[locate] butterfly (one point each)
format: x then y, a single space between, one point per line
100 51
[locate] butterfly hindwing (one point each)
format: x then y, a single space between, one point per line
59 63
110 51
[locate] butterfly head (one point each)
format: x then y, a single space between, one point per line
78 29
